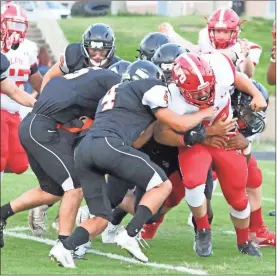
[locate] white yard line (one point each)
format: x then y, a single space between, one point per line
263 198
110 255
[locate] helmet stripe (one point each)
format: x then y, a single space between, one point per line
195 68
221 18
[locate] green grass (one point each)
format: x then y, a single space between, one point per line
172 244
129 31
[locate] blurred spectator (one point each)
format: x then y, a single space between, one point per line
44 61
271 70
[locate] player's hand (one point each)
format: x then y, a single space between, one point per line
166 28
207 112
258 103
237 142
245 47
222 127
215 141
273 51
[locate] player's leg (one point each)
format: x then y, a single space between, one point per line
231 169
194 165
259 233
17 160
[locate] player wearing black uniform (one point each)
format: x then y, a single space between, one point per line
150 43
50 148
122 117
96 49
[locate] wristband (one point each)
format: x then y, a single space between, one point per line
273 60
247 151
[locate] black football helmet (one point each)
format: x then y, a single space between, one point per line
150 43
120 67
99 37
143 69
165 56
249 122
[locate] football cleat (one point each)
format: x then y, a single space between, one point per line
37 220
250 249
109 234
203 243
131 244
149 230
263 237
81 250
62 256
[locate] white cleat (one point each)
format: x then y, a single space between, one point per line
190 220
83 214
109 234
37 219
62 256
131 244
82 249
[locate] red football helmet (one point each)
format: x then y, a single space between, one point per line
195 79
224 19
14 25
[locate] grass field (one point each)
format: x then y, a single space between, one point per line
172 245
129 31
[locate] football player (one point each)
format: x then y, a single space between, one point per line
96 49
23 67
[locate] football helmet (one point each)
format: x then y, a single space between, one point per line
165 56
14 25
224 19
195 79
142 69
249 121
99 37
120 67
150 43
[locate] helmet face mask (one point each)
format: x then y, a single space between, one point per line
14 25
99 44
249 122
223 20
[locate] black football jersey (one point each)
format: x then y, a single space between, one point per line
5 64
74 95
128 109
74 58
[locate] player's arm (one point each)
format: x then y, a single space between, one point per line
54 71
36 81
174 37
144 137
17 94
244 84
271 70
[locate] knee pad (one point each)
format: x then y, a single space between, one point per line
195 197
241 214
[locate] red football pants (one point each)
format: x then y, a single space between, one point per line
230 166
255 177
13 155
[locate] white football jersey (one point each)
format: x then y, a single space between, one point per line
22 60
224 74
205 45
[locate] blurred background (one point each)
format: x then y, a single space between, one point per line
54 24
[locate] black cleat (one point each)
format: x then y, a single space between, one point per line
203 243
2 226
250 249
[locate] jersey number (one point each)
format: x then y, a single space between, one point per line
109 98
20 73
76 74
